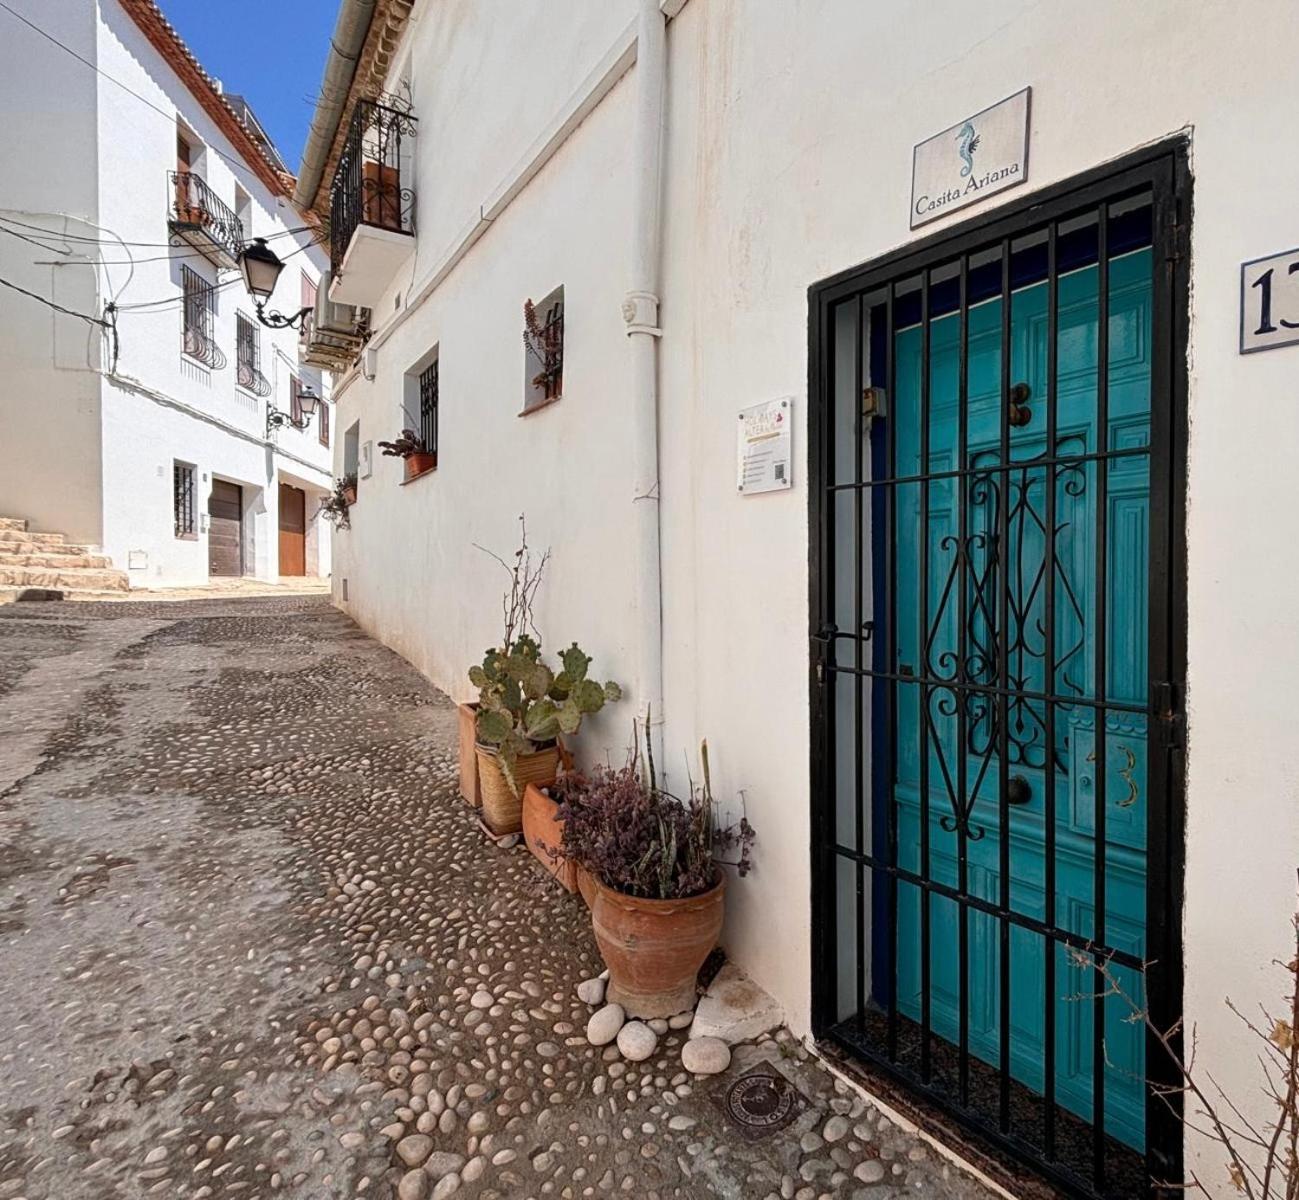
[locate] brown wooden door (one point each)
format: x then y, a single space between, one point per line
293 530
225 538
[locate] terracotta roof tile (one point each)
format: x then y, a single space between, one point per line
163 37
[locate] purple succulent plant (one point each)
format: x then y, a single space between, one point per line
643 841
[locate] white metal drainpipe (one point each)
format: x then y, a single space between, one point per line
641 312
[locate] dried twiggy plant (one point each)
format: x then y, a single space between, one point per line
1262 1158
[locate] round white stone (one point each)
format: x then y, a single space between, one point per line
871 1171
705 1056
591 991
413 1186
604 1024
637 1041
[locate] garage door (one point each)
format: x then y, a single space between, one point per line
293 530
225 539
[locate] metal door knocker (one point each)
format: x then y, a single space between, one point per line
1018 413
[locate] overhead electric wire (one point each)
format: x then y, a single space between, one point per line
34 241
160 305
76 237
170 116
57 307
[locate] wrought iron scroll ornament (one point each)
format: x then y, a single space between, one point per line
982 565
252 380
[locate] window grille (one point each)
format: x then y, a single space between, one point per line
248 356
199 309
182 496
543 337
428 407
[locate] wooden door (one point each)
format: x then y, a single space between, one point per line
1016 556
225 539
293 530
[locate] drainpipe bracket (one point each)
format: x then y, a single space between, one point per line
640 310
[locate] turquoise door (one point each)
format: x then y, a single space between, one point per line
998 589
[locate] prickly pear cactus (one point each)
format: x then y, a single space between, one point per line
524 705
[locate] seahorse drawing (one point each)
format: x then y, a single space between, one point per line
967 142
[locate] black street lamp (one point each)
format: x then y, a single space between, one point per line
307 402
261 266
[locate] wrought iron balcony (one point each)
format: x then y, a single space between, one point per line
372 206
199 218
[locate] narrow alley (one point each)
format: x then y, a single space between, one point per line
252 943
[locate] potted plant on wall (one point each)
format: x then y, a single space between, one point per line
334 507
654 862
414 453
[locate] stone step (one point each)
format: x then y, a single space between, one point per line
35 543
19 537
17 523
65 578
47 558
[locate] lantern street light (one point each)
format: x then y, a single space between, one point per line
306 402
261 266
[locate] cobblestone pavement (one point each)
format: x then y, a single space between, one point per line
252 944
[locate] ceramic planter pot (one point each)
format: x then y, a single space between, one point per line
417 464
654 948
502 809
349 494
586 886
544 832
469 790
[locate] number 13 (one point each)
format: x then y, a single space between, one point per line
1264 284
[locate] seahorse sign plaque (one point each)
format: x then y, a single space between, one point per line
974 159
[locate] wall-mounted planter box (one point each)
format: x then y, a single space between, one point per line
470 792
543 831
419 464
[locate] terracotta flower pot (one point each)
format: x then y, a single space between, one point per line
469 790
654 948
349 494
417 464
586 885
544 833
502 809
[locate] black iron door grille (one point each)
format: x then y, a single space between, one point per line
997 434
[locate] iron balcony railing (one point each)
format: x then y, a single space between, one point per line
198 216
371 185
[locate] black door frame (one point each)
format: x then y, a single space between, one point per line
1164 169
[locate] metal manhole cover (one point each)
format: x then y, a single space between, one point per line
761 1102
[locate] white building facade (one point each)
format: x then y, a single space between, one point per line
144 432
1027 568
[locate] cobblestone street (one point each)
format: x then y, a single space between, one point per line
253 944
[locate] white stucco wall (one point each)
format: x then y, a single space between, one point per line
788 158
49 403
137 149
420 583
84 443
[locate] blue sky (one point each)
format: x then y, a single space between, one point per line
272 52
